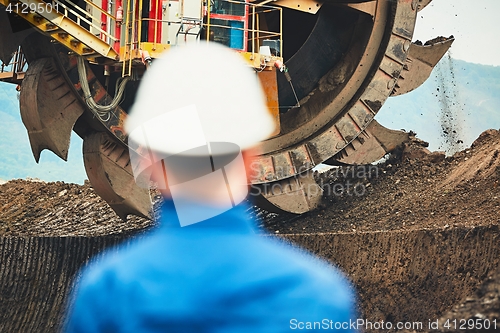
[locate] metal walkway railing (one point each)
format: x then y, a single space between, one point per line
54 20
14 71
100 35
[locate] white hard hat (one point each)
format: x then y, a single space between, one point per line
196 109
197 94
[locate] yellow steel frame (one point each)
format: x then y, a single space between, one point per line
14 71
127 56
64 30
255 31
83 42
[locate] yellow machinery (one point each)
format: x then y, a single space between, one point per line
326 67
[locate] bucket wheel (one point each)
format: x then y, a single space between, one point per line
345 58
343 72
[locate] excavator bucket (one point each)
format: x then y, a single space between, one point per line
108 167
420 63
374 143
297 195
49 108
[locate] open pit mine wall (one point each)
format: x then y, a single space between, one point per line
400 275
413 275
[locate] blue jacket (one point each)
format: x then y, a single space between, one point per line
218 275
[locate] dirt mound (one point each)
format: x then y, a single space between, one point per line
430 194
414 189
480 163
35 208
479 313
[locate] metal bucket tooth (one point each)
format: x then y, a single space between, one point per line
49 108
422 4
420 62
107 163
298 194
371 145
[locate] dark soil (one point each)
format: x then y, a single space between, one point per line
478 313
413 190
36 208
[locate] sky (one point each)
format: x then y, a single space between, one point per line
475 25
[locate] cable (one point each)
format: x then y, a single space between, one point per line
103 111
289 79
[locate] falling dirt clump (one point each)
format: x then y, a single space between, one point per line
437 40
451 115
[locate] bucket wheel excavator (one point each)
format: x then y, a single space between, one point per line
327 67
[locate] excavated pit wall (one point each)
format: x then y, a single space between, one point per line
408 276
400 275
36 276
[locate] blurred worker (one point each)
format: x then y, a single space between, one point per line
198 113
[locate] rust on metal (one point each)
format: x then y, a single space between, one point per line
270 87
